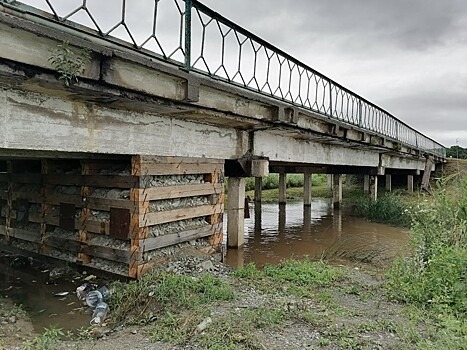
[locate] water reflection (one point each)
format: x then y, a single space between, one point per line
275 232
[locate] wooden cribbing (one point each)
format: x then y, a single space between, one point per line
163 217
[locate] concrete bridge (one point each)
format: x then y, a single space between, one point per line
69 91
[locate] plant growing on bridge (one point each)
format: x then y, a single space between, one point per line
68 63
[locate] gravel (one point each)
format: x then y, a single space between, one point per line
176 226
177 203
110 193
171 180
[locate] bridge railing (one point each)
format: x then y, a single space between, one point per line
194 37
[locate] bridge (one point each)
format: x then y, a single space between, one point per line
93 100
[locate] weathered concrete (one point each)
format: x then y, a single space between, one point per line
373 187
388 183
258 188
307 182
366 184
235 212
337 191
282 188
410 183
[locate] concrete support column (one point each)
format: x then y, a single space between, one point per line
329 181
410 183
307 182
258 188
282 188
337 192
366 184
388 183
373 187
235 212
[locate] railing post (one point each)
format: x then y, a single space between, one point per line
360 113
330 98
188 7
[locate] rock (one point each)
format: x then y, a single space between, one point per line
204 325
206 266
12 319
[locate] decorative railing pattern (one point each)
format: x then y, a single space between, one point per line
194 37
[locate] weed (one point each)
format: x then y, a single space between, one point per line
46 341
68 63
159 291
389 209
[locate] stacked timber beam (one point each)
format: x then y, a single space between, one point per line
113 215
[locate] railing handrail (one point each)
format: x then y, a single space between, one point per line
374 119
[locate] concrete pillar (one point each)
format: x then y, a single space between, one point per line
373 187
347 181
410 183
258 188
329 181
307 218
388 183
337 192
282 188
282 219
366 184
307 182
235 212
258 218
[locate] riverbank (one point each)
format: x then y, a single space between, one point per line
198 303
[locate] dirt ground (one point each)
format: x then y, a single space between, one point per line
353 313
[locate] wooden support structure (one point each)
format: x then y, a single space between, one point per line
111 214
425 185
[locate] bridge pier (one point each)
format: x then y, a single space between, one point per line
410 183
258 189
329 181
388 183
373 182
307 183
337 192
282 188
366 184
235 212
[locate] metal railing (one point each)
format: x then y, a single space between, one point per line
194 37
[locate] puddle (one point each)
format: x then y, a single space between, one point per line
275 232
32 287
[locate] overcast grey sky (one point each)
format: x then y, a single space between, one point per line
407 56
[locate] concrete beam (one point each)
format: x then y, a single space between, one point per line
235 212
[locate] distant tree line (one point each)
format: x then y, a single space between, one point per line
456 152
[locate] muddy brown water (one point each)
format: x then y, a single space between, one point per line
274 232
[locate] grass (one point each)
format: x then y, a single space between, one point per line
48 340
158 291
390 208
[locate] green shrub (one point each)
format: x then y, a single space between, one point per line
388 209
436 273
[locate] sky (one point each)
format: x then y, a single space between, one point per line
407 56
